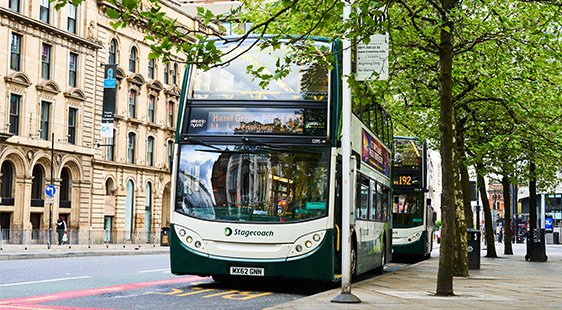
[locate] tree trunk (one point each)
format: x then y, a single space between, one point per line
508 249
464 177
489 231
461 246
447 129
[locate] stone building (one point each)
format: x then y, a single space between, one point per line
51 81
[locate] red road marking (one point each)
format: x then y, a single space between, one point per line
32 302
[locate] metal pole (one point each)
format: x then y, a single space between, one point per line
346 296
49 242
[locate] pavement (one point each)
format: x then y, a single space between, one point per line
506 282
10 251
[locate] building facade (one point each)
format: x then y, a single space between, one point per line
107 190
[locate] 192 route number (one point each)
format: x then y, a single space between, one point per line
247 271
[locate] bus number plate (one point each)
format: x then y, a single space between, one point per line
247 271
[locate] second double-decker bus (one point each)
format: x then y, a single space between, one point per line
257 172
412 214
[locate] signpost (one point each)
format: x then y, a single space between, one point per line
372 59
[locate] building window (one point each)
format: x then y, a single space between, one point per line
112 59
171 114
14 5
65 188
72 66
46 61
175 74
151 102
15 52
166 73
150 151
45 11
131 148
45 111
37 187
132 103
133 60
170 154
72 114
6 180
15 114
110 147
71 22
151 69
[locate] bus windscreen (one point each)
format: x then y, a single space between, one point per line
248 183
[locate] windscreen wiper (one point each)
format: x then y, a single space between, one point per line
199 142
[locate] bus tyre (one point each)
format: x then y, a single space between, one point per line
353 261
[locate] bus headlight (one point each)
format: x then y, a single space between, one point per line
414 237
307 243
190 238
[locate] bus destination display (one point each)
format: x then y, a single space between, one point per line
258 121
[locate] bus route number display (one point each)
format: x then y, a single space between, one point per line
411 180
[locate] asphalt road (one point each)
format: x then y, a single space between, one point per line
134 282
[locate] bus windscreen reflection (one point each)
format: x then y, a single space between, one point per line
227 183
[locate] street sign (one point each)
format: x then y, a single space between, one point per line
50 190
50 200
372 59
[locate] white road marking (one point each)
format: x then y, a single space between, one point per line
155 270
44 281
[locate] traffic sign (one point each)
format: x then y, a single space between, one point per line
50 190
50 200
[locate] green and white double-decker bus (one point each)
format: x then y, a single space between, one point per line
257 172
412 214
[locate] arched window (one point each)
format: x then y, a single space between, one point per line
133 60
148 211
131 147
6 181
150 151
37 186
129 205
109 187
112 58
65 188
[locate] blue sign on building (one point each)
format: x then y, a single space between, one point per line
50 190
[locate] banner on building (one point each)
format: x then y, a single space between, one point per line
109 85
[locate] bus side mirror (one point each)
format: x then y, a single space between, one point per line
434 217
396 199
428 201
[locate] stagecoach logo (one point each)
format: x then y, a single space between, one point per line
227 231
247 233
